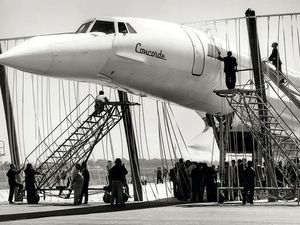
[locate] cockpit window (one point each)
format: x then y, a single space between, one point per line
130 28
103 26
122 28
83 28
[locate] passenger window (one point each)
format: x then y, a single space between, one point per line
130 28
103 26
122 28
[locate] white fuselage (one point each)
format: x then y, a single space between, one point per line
165 60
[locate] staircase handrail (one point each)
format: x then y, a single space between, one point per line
80 137
282 120
287 80
43 141
272 136
284 102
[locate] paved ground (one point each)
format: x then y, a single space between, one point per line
200 213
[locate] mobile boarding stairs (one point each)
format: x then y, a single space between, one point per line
73 140
276 139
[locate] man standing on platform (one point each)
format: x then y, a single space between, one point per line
230 67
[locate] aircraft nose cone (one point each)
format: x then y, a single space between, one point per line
33 55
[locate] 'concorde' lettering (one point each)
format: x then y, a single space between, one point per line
152 53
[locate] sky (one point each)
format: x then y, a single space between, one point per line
35 17
32 17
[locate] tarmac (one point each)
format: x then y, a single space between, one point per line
152 212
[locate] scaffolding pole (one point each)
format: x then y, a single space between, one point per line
260 88
9 117
132 148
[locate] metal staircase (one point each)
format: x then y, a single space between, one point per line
284 143
73 140
287 87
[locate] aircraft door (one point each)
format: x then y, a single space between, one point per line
199 53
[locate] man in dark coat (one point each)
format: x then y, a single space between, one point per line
173 178
209 183
159 176
86 179
32 197
117 175
230 67
197 178
274 57
184 185
249 183
11 174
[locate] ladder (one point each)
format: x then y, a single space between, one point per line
285 144
288 88
77 136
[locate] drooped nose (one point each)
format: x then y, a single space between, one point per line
70 55
33 56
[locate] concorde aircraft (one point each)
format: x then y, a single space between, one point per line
141 56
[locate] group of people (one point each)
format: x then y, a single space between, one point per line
80 182
241 174
191 179
285 173
14 182
244 175
161 175
230 65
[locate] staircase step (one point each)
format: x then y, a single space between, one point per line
272 123
72 139
276 129
87 128
91 122
280 136
267 116
256 103
78 133
251 96
62 156
66 145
